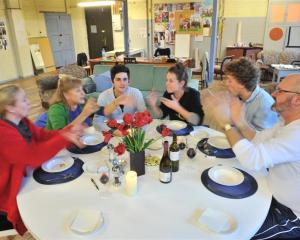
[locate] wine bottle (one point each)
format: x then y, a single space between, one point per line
165 166
174 154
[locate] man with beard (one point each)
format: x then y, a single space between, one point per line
276 149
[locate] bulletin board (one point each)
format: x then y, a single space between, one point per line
193 18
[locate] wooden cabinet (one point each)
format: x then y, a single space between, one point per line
238 52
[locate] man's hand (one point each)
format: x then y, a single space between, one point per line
219 105
125 100
152 98
238 112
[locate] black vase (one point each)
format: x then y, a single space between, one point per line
137 162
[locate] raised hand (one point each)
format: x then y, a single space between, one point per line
237 112
152 98
219 106
125 100
173 104
72 134
90 107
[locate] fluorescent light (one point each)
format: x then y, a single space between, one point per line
95 4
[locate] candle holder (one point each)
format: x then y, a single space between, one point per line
131 183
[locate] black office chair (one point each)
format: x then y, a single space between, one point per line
162 52
82 59
129 60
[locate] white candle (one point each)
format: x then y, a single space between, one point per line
239 33
131 183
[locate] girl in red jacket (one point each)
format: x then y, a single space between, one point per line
23 144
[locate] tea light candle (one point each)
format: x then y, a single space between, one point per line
131 183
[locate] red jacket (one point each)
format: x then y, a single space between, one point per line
15 155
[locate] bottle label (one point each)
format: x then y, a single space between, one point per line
165 177
174 156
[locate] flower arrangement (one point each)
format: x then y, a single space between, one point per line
132 129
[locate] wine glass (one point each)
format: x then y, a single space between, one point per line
191 147
104 174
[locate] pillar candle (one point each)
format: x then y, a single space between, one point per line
131 183
197 62
239 33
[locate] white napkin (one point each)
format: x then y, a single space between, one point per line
86 221
215 220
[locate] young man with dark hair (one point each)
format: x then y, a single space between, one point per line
242 81
119 99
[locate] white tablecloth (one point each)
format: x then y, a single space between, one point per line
158 211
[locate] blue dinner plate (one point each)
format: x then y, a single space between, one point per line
245 189
50 178
181 132
209 150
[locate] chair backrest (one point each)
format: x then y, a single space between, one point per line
129 60
81 59
225 61
73 70
205 67
162 52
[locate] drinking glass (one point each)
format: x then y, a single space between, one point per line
104 175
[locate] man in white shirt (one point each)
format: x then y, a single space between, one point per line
119 99
277 149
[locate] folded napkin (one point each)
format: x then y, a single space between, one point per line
215 220
86 221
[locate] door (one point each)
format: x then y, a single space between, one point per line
59 30
99 29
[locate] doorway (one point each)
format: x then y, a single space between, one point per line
99 30
59 31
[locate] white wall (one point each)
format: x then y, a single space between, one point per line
8 68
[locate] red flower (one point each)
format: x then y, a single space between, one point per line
127 118
165 132
107 136
112 123
125 133
120 149
147 117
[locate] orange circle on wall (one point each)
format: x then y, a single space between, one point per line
276 34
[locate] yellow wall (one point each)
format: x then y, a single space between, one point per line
245 8
79 30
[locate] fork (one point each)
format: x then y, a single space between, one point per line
61 177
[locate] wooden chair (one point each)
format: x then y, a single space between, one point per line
219 68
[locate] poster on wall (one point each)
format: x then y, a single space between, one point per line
181 18
3 36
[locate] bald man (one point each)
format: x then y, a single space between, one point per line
277 149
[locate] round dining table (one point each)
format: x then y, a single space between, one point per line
156 211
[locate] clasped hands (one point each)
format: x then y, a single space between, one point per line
226 108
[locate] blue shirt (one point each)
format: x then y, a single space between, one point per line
259 112
74 114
